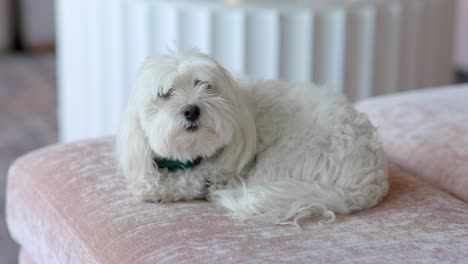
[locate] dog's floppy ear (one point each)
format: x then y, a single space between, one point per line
241 150
134 154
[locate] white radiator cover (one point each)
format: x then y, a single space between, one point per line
362 49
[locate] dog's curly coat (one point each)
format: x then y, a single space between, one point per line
271 150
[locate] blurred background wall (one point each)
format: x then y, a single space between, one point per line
5 25
362 51
27 25
461 40
36 24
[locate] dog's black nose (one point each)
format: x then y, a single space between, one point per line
191 112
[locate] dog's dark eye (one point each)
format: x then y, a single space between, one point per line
205 84
166 95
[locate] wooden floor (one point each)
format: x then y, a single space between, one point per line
27 121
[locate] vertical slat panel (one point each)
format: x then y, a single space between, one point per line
71 65
359 53
229 39
139 39
94 43
263 45
195 29
296 46
165 28
329 48
101 45
115 85
387 48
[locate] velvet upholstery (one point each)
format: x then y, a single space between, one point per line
66 204
426 133
25 257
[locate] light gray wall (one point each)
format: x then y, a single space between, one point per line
37 23
461 36
5 25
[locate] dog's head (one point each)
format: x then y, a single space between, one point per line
183 107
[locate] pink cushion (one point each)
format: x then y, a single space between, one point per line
25 258
426 133
66 204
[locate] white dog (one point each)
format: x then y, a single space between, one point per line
262 149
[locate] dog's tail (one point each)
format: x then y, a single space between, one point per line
286 202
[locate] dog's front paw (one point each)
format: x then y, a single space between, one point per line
145 194
149 197
161 198
208 183
212 186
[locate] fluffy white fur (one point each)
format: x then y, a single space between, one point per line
271 150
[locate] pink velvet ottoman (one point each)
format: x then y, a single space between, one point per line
66 204
426 133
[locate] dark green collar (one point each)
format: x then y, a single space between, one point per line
173 165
